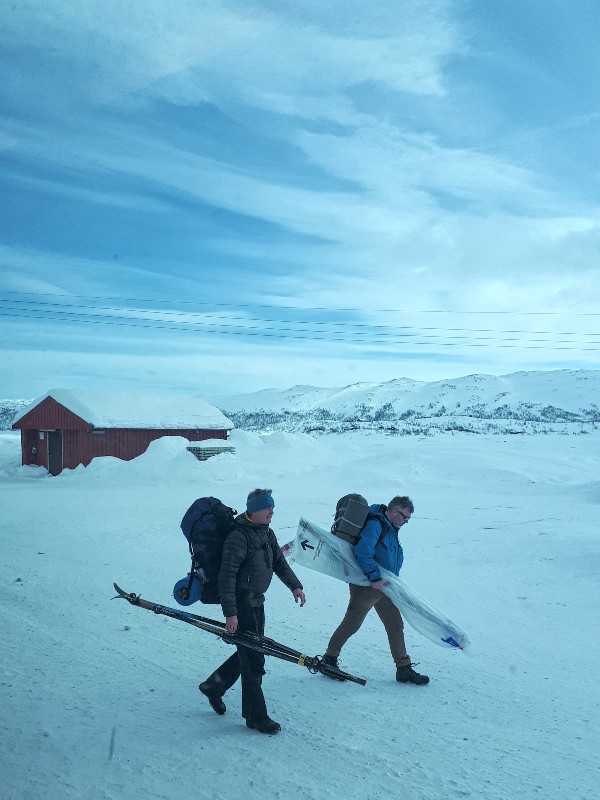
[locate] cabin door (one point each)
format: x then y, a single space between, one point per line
55 452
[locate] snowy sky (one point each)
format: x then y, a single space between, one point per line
224 197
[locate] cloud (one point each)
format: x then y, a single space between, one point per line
395 226
187 51
66 188
349 155
28 270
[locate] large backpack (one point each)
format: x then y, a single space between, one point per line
206 524
352 512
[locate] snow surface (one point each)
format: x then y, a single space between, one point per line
127 409
99 699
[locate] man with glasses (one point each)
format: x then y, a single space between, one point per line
378 546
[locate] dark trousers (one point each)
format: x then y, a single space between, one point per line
247 663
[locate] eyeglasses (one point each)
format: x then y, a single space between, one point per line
402 514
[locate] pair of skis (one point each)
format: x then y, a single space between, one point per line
262 644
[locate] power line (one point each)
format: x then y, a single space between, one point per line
330 309
276 333
328 323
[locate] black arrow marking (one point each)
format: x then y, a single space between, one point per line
305 545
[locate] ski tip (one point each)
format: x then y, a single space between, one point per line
120 594
131 597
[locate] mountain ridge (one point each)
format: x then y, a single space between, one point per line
519 402
524 399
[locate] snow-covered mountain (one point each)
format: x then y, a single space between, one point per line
519 402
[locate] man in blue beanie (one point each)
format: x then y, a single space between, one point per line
251 554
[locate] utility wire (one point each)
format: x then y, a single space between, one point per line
270 333
203 326
329 323
329 309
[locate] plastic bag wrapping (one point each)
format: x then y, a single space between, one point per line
319 550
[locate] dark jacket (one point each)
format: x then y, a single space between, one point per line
378 545
251 554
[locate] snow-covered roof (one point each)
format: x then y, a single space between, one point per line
136 409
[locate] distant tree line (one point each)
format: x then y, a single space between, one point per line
524 418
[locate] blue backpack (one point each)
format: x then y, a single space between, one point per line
206 524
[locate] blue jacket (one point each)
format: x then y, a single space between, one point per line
378 545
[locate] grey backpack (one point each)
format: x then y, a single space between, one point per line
351 513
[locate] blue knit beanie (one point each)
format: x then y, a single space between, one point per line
258 503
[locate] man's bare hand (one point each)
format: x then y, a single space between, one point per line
379 584
299 595
231 623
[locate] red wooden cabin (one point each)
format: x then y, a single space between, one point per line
66 428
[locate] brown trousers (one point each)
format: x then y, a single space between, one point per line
362 600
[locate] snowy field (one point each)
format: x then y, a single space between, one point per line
99 700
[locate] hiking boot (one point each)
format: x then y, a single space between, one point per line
266 725
408 675
332 661
215 700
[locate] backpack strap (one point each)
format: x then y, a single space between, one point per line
383 528
250 546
